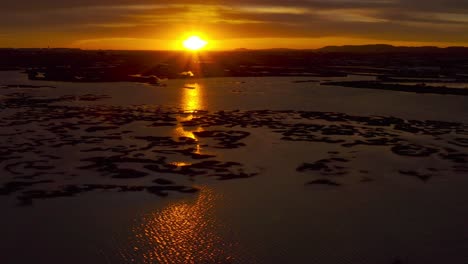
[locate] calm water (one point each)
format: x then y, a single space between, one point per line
265 93
270 218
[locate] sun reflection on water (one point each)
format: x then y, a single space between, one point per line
183 232
191 102
192 97
181 163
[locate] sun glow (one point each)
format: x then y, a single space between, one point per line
194 43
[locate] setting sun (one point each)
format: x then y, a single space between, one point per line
194 43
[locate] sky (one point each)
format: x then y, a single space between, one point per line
257 24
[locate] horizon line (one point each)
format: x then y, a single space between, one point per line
234 49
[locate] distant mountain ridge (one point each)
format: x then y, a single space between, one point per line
383 48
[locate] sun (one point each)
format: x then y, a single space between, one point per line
194 43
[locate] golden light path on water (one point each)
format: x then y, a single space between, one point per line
192 97
191 101
183 232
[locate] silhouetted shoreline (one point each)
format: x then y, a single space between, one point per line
418 88
383 61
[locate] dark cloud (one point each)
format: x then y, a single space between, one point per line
422 5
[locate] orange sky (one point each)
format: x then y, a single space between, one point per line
301 24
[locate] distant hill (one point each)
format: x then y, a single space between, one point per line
384 48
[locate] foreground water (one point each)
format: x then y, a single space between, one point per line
287 173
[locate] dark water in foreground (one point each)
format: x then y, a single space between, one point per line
127 173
